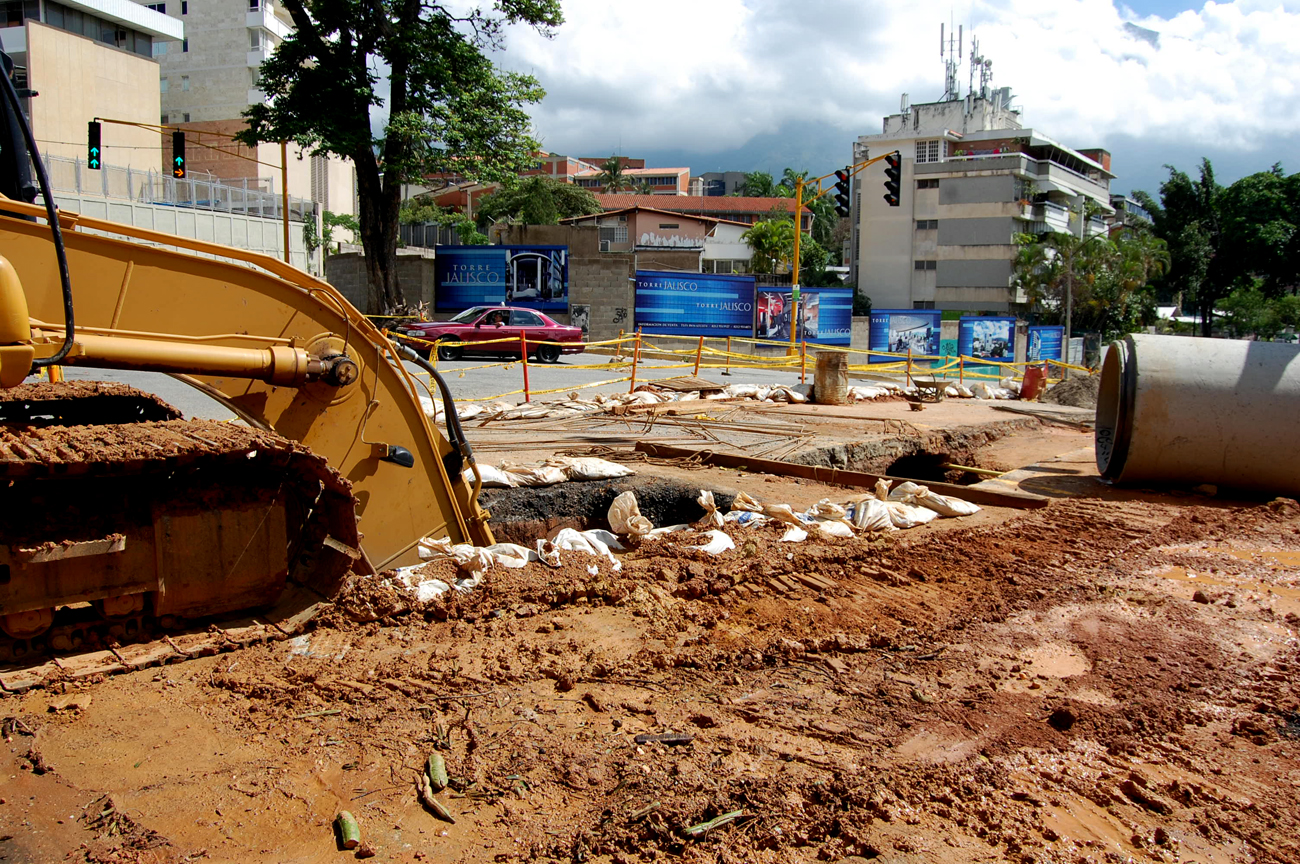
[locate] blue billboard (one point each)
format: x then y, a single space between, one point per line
826 315
1045 343
987 338
897 330
694 304
532 276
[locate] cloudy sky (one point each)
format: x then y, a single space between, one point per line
742 84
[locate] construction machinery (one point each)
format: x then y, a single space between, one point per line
123 522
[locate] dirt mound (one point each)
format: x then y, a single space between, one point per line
1044 689
1078 392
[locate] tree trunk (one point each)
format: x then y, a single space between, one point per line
380 205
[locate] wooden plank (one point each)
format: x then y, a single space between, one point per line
822 474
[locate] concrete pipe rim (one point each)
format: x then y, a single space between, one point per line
1115 397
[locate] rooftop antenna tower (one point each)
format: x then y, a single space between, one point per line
950 49
984 67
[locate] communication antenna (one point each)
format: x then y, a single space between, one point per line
985 68
951 49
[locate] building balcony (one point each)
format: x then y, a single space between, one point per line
256 96
266 19
258 56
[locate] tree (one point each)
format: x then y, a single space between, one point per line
1107 277
1260 238
771 242
758 184
329 221
537 200
418 211
612 177
450 110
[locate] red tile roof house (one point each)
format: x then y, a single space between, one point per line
735 209
639 229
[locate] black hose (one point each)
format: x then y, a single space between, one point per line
455 433
64 278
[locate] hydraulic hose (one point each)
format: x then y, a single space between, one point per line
64 278
455 433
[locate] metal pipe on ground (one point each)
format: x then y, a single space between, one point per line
1186 412
831 378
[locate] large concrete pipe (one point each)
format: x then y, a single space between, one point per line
1188 411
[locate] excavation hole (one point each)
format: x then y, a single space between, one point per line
523 515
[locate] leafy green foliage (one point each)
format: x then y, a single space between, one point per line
612 177
329 221
1107 277
1250 312
758 184
1222 241
450 109
861 303
537 200
772 243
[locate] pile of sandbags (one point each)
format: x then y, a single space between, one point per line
548 472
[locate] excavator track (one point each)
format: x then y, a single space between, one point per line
130 541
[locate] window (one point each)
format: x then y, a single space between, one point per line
163 120
520 318
927 151
162 84
254 4
670 225
185 82
185 118
256 75
927 184
925 265
159 49
927 224
185 7
185 46
922 304
157 7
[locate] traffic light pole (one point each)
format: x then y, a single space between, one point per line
798 233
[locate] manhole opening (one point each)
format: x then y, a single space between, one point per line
931 468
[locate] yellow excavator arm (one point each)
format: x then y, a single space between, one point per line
283 350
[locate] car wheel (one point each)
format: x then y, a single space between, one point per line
449 352
548 353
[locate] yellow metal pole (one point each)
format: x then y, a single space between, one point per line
794 265
636 357
284 194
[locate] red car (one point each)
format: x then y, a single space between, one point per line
481 323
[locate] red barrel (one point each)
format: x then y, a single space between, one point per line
1035 379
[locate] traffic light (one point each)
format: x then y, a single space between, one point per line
92 147
178 154
843 203
893 177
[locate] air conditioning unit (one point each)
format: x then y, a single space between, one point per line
604 245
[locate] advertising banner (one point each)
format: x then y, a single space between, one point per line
532 276
897 330
987 338
694 304
1045 343
827 315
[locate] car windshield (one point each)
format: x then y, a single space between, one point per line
468 315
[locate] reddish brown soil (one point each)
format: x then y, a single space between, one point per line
1097 681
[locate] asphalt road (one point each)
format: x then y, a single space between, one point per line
469 380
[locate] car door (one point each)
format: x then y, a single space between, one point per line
528 323
486 329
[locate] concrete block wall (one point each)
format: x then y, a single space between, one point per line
415 273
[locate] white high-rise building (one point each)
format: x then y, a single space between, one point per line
972 178
209 78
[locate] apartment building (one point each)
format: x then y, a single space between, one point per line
212 75
650 181
88 59
972 178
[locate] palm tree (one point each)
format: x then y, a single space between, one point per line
611 176
644 188
758 184
789 178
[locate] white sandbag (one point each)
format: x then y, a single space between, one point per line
471 559
744 517
587 542
741 391
963 391
718 543
589 468
782 513
744 502
871 514
493 478
882 489
548 552
794 534
923 496
980 390
711 515
469 412
825 511
643 397
669 529
625 517
909 515
538 475
833 529
511 555
1011 384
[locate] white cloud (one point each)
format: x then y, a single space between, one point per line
705 74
